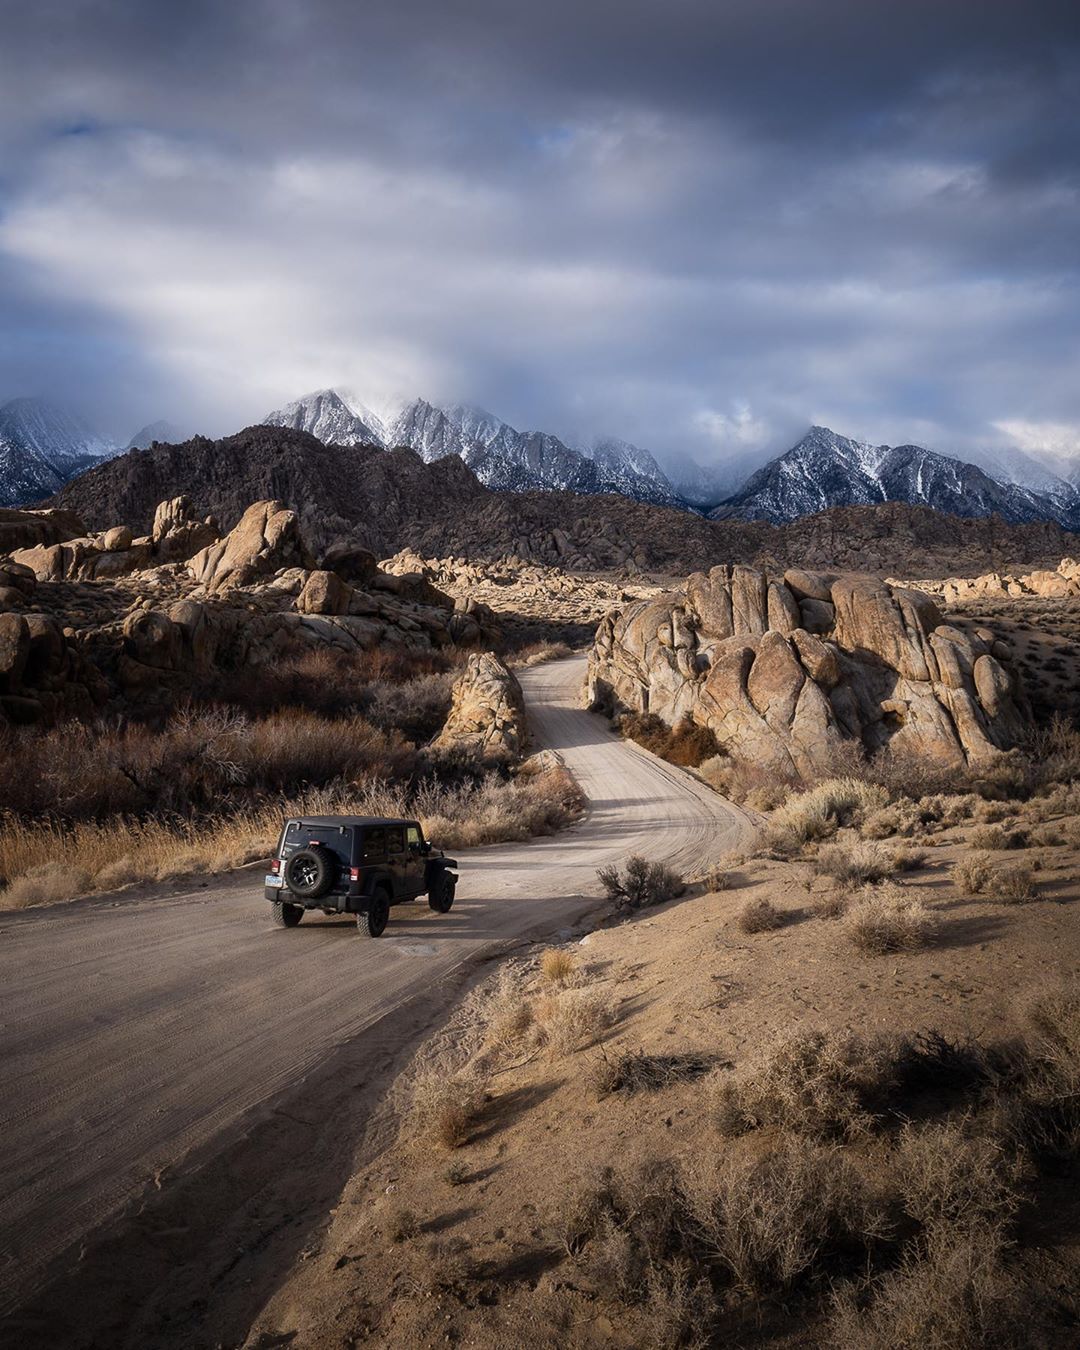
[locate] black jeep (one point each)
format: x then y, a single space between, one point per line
356 865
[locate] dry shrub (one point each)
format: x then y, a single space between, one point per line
830 904
1014 885
402 1224
573 1019
685 744
558 967
640 884
759 916
818 814
856 864
457 1174
747 784
448 1105
811 1082
715 879
973 875
955 1295
634 1071
510 1018
908 817
995 837
888 918
496 810
536 652
772 1221
951 1182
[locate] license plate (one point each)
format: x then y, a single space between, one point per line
272 880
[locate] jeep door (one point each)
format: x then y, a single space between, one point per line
395 860
415 862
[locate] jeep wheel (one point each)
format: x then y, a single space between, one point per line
441 894
311 872
374 919
287 916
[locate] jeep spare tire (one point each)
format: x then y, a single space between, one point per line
311 872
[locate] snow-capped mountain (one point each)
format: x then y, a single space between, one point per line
42 445
326 415
825 469
703 486
500 455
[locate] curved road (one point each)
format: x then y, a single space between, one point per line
135 1031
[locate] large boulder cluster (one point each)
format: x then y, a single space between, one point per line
1044 582
89 621
787 671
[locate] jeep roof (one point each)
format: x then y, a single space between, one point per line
351 820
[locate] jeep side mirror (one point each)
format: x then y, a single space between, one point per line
425 847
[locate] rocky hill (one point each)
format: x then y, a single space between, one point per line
374 497
388 500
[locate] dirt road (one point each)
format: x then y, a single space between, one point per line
140 1038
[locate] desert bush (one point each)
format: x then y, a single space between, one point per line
747 784
950 1182
572 1019
830 904
496 810
858 863
811 1082
402 1224
46 883
634 1071
771 1221
447 1105
973 874
759 916
818 813
640 883
558 967
715 879
685 744
1013 885
457 1174
417 708
995 837
535 652
510 1017
888 918
954 1295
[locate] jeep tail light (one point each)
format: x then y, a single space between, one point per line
275 866
354 874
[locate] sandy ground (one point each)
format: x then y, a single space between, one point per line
684 980
186 1086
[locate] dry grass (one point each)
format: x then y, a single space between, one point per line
831 904
634 1071
536 652
745 783
447 1106
888 918
640 884
558 967
759 916
862 862
573 1019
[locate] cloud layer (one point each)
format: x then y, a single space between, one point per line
697 225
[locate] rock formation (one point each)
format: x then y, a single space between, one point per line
487 714
96 622
786 671
1047 583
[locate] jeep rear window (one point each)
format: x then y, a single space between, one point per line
299 836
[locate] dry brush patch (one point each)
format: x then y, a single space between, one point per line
888 918
640 883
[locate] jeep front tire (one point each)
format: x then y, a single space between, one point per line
441 892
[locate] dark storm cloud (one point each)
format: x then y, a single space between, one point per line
695 224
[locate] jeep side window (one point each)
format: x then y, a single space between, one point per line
413 833
395 841
374 845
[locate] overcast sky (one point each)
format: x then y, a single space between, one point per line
697 224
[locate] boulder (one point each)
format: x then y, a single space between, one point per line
34 529
324 593
266 539
487 712
786 673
